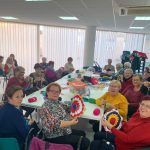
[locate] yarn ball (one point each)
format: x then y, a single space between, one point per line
96 111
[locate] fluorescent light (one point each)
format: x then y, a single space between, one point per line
142 18
136 27
38 0
9 18
68 18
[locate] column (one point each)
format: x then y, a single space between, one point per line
89 46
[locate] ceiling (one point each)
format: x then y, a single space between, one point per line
100 13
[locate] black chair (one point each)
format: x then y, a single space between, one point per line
29 137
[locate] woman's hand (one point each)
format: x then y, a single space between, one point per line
103 103
74 121
68 123
31 121
105 123
110 106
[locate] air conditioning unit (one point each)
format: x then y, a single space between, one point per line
137 10
123 11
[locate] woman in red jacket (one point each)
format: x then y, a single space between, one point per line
134 134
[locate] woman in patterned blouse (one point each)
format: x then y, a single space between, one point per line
56 121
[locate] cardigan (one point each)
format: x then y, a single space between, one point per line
51 113
12 123
119 101
134 134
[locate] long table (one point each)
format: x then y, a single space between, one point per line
66 95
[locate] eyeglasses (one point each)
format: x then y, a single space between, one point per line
143 105
53 91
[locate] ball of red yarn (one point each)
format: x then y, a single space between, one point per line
96 111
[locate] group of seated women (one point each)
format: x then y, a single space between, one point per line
126 96
56 121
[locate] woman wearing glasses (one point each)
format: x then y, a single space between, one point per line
134 134
56 121
113 100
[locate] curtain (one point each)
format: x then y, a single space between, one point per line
59 43
112 44
21 40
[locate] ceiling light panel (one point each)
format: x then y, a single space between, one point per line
8 18
68 18
142 18
137 28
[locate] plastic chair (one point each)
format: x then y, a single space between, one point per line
9 144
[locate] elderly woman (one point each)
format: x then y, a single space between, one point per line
38 77
134 134
133 94
109 66
119 69
12 122
25 83
1 66
9 67
126 81
56 121
19 80
127 65
14 60
44 64
113 100
145 88
50 73
69 66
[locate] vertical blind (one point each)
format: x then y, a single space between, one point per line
112 44
21 40
58 43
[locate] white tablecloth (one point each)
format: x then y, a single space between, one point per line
66 95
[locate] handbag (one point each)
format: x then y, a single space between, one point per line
53 146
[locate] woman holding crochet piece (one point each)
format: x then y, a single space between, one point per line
134 134
56 121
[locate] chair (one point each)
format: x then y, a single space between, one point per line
9 144
29 137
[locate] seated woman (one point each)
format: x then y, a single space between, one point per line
133 94
68 68
50 74
119 71
56 121
113 100
25 83
19 80
134 134
126 81
12 122
145 88
14 60
44 64
1 66
9 67
127 65
38 77
109 67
